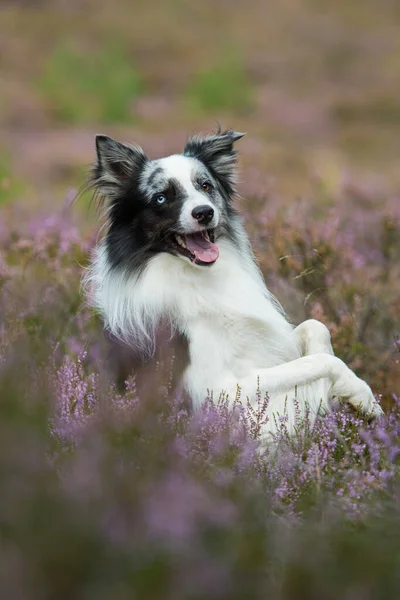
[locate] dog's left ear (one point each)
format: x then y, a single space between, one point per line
217 153
116 165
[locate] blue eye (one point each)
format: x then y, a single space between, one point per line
161 198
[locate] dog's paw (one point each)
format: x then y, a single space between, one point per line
366 403
375 411
353 390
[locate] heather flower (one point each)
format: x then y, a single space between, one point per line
136 495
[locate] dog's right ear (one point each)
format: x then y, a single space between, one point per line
116 165
217 152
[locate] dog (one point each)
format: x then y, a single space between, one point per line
175 251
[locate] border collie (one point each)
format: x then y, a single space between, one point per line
175 249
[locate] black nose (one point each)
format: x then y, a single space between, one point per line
203 214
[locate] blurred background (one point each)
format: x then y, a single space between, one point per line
315 83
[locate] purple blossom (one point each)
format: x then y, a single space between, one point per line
196 492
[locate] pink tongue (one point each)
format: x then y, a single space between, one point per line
202 249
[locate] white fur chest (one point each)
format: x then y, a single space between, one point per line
231 322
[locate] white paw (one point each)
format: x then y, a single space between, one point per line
375 411
356 392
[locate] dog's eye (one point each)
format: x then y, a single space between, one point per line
160 198
207 186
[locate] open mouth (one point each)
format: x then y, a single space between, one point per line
200 247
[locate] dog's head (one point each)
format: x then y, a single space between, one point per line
180 204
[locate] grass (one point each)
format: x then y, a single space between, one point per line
85 86
10 187
225 87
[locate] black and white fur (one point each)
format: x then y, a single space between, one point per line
237 332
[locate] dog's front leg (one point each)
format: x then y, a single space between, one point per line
313 337
303 371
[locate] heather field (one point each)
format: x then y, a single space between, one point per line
110 487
